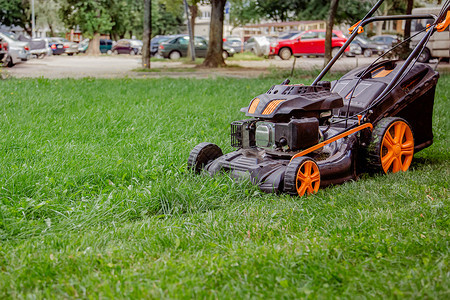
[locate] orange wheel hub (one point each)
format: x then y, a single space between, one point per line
397 148
308 178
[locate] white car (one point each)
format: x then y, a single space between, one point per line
259 45
17 51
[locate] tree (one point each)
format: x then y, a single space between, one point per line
127 18
214 56
16 13
329 30
174 6
389 7
47 14
166 19
243 12
277 10
193 12
147 36
92 17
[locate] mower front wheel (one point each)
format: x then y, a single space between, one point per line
392 146
302 177
202 154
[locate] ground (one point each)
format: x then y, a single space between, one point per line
120 66
96 201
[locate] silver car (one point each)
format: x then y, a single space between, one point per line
70 48
17 51
259 45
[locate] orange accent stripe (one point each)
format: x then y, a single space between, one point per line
383 73
339 136
253 106
271 107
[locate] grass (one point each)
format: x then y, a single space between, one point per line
96 202
249 56
159 70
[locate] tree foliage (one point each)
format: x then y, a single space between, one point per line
47 14
166 18
92 16
126 17
243 12
277 10
247 11
16 13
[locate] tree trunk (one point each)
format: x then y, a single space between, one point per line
329 31
407 33
94 45
147 34
52 33
193 11
214 56
404 50
386 9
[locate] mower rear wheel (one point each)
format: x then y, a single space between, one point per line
392 146
202 154
302 177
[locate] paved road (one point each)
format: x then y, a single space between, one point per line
123 65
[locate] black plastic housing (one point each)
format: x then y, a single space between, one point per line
299 133
243 133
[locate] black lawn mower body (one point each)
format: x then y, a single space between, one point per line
299 138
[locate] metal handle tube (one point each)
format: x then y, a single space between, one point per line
355 33
346 44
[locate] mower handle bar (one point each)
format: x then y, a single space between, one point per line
355 33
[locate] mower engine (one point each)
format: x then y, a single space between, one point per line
286 118
382 115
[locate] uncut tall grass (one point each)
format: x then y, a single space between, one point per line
96 201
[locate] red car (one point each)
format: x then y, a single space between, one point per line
311 42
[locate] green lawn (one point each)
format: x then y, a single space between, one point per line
96 202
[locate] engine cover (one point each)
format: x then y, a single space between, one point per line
281 102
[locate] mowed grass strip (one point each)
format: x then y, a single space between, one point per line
96 201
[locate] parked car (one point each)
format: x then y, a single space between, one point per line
17 51
368 47
56 46
439 44
38 47
311 42
156 41
287 35
83 46
126 46
259 45
70 48
235 43
3 50
178 47
386 39
355 49
105 46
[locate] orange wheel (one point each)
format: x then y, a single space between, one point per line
302 177
393 145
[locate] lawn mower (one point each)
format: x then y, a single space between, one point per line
303 137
